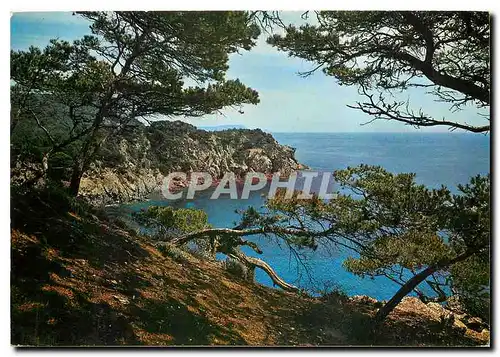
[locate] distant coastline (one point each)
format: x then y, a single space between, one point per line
221 127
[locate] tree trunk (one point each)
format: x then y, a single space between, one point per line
413 282
76 177
88 149
214 233
81 163
45 166
402 292
267 269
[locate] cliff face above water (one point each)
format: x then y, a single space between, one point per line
132 166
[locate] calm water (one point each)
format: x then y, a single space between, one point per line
437 159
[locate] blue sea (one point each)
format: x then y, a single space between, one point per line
437 159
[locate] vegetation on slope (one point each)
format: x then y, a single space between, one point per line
80 279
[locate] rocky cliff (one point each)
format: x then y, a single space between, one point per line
132 166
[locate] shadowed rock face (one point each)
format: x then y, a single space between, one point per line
132 167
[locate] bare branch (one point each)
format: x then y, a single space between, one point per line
381 110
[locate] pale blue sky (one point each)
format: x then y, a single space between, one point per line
288 103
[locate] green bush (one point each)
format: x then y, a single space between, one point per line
60 166
173 252
331 292
120 223
167 222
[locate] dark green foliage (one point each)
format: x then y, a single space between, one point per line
408 227
60 166
469 224
176 253
166 223
385 52
133 65
469 216
470 280
52 199
396 229
331 292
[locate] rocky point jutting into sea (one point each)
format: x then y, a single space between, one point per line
132 167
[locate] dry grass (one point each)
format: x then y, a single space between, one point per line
84 281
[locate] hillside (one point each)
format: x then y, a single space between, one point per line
131 166
80 279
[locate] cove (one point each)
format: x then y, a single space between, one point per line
436 158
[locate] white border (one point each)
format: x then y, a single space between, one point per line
54 5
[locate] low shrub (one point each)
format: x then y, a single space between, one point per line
238 269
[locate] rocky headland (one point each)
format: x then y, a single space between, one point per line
132 166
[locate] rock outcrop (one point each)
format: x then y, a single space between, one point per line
412 308
132 166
